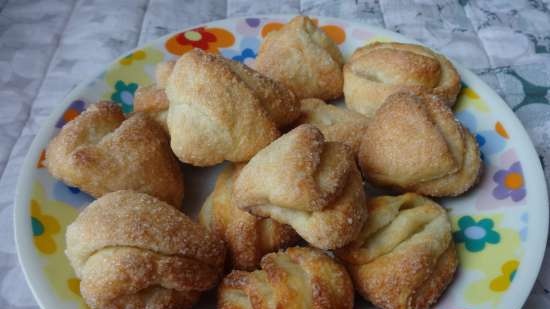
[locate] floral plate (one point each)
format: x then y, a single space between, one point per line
500 226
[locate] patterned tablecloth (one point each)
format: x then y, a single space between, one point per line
46 47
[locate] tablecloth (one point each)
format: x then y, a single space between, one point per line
46 47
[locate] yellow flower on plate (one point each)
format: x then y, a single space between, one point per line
43 228
469 98
502 282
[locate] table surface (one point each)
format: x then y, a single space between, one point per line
47 47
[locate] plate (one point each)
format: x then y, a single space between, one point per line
500 226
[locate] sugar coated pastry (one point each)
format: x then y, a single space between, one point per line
303 181
304 278
131 250
304 58
152 99
337 124
248 237
414 143
100 152
222 110
378 70
404 257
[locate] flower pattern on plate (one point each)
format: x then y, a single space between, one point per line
510 183
209 39
475 235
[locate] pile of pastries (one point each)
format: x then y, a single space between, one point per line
289 223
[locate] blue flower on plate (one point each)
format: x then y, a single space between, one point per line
247 51
124 95
490 141
70 195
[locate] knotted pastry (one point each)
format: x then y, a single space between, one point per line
100 152
152 99
378 70
336 124
248 237
312 185
414 143
304 278
222 110
131 250
404 257
304 58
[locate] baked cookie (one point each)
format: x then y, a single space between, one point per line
312 185
131 250
222 110
378 70
404 257
100 152
304 58
303 278
248 237
336 124
414 143
152 99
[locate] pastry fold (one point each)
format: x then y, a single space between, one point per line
248 237
303 181
379 70
222 110
101 151
414 143
131 250
304 58
336 124
404 257
297 278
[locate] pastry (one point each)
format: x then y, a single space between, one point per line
248 237
304 58
404 257
378 70
131 250
152 99
222 110
304 278
414 143
303 181
336 124
100 152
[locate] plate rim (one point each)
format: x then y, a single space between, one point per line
23 190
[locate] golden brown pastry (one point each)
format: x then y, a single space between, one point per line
336 124
222 110
304 58
100 152
248 237
131 250
304 278
152 99
378 70
414 143
404 257
303 181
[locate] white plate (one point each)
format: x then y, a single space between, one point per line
501 226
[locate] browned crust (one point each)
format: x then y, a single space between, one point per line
101 152
131 247
248 237
297 278
336 124
219 109
405 257
304 58
379 70
319 191
414 143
